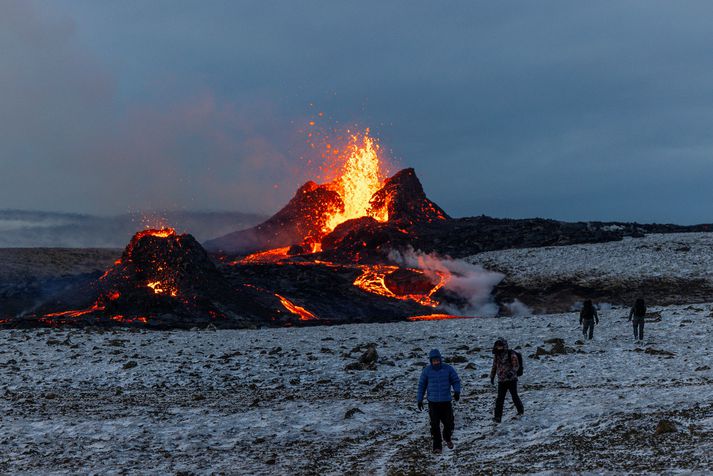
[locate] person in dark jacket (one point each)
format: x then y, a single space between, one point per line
505 366
435 383
588 317
638 313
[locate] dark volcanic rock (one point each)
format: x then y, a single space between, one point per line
325 290
405 200
302 219
163 280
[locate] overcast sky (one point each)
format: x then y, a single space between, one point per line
567 110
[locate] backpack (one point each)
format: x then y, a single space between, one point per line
587 313
520 368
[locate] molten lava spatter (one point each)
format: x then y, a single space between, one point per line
361 175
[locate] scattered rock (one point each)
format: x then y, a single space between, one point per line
652 351
275 350
370 356
130 365
702 368
470 366
367 361
665 426
456 359
351 412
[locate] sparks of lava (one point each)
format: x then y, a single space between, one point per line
304 314
437 317
159 288
361 175
373 280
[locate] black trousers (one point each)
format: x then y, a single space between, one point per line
503 389
588 324
441 412
639 329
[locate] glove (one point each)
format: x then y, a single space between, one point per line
420 406
456 396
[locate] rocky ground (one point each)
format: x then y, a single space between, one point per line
280 401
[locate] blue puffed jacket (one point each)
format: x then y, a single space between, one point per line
436 380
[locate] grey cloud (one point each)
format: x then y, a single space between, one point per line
559 109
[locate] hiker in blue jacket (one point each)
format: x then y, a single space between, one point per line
436 382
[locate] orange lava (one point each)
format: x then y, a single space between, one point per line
360 175
269 256
77 313
373 280
129 320
304 314
159 233
159 288
438 317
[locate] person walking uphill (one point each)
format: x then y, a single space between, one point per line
638 313
435 383
587 318
505 365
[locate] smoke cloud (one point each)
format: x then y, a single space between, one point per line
472 283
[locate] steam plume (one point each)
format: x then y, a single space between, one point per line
471 282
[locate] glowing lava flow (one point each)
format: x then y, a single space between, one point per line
361 176
262 257
159 233
437 317
95 307
304 314
373 280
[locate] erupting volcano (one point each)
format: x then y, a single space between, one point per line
362 246
350 219
359 191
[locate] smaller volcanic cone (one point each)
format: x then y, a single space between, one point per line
166 274
163 280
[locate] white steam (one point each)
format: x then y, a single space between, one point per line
472 283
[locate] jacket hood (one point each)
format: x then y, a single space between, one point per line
501 342
435 354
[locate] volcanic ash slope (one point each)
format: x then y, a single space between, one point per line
279 401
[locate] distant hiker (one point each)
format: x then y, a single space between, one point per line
506 364
436 382
638 313
588 317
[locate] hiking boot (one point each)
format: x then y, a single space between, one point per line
449 444
437 451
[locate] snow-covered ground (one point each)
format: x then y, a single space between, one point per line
274 401
680 255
